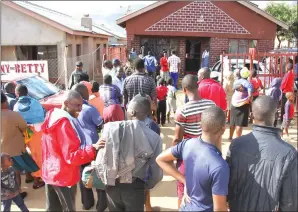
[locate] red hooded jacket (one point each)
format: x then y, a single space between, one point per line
61 152
212 90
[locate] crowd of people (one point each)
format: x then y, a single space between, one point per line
106 136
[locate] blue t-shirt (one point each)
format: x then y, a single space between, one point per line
150 62
86 124
206 172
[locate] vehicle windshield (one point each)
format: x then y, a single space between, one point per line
38 88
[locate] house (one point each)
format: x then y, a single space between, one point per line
191 27
33 32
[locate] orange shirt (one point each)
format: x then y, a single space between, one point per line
97 102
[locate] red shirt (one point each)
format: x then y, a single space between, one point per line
164 64
212 90
287 84
161 92
256 83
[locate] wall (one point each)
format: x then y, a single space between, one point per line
217 46
265 45
20 29
8 53
170 20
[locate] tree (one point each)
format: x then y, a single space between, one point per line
287 14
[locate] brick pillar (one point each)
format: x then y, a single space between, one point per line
265 45
133 41
217 46
182 52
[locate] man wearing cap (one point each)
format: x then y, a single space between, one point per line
77 74
211 89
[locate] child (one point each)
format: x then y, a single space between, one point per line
10 187
161 90
171 99
276 93
289 112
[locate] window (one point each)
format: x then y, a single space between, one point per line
104 48
241 46
78 52
98 52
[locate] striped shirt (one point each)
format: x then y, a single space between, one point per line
139 83
189 117
174 61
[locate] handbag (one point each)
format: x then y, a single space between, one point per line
90 179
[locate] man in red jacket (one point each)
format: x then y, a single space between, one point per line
62 155
287 85
210 89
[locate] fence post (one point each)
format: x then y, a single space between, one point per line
65 66
222 64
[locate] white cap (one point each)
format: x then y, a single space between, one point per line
214 74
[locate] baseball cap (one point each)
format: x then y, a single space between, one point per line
244 73
79 63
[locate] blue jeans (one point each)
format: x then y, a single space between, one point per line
18 200
174 77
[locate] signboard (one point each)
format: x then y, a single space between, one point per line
25 67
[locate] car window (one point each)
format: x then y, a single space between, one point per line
38 88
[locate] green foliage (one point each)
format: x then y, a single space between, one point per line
287 14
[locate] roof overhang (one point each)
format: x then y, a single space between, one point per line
122 21
51 22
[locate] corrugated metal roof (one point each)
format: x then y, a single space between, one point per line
61 18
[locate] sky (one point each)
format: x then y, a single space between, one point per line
105 8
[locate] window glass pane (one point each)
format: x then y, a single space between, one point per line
233 46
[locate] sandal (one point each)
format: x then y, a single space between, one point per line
38 184
29 181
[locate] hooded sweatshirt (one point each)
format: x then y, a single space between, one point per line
275 92
30 109
61 152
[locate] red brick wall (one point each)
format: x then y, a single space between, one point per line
217 46
182 52
265 45
133 41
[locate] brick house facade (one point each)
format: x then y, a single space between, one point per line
222 26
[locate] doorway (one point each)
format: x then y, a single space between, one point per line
193 59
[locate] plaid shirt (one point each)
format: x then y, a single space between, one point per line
137 83
174 63
110 94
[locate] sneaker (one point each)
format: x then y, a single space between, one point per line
24 195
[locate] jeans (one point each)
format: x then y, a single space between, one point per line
60 198
283 102
161 111
174 77
18 200
126 197
87 197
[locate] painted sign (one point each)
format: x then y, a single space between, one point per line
25 67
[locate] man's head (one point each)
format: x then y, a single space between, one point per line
79 66
83 77
161 82
165 54
6 160
108 64
107 79
95 86
149 53
116 62
82 90
72 103
4 103
173 52
289 67
21 90
290 96
132 49
204 73
190 84
120 73
139 64
254 73
264 109
10 87
170 81
213 121
138 108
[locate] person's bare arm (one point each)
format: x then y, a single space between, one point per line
179 67
165 161
179 131
219 203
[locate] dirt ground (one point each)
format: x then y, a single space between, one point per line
164 194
